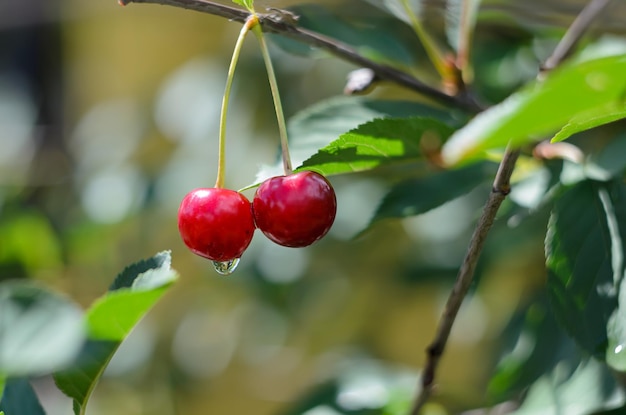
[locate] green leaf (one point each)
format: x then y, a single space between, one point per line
28 238
19 398
419 195
585 259
391 43
161 262
538 346
459 23
609 163
115 315
397 9
590 387
615 411
320 395
541 107
591 119
615 205
40 331
375 143
322 123
248 4
79 381
110 320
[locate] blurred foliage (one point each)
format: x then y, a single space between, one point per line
109 115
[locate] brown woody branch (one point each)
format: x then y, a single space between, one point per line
501 188
284 23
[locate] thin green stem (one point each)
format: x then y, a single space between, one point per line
278 106
251 22
434 54
3 381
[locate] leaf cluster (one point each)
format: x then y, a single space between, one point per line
42 332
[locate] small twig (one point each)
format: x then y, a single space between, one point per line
501 188
574 33
275 22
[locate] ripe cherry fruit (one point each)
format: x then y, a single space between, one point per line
295 210
216 223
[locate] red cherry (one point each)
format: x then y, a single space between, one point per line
295 210
216 223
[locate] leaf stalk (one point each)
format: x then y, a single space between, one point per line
433 52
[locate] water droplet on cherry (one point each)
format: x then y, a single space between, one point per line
226 267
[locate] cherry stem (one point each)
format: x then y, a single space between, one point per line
278 107
251 22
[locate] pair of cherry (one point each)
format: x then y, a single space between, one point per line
294 210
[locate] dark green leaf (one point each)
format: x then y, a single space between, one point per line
459 22
19 398
354 380
616 411
109 321
127 277
542 107
590 387
375 143
538 346
323 394
324 122
584 255
419 195
397 8
614 202
391 43
79 381
591 119
610 162
40 331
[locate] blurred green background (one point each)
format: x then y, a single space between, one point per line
109 115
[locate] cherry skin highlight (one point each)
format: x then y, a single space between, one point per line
216 223
295 210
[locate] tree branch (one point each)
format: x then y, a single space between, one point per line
574 33
501 188
284 23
